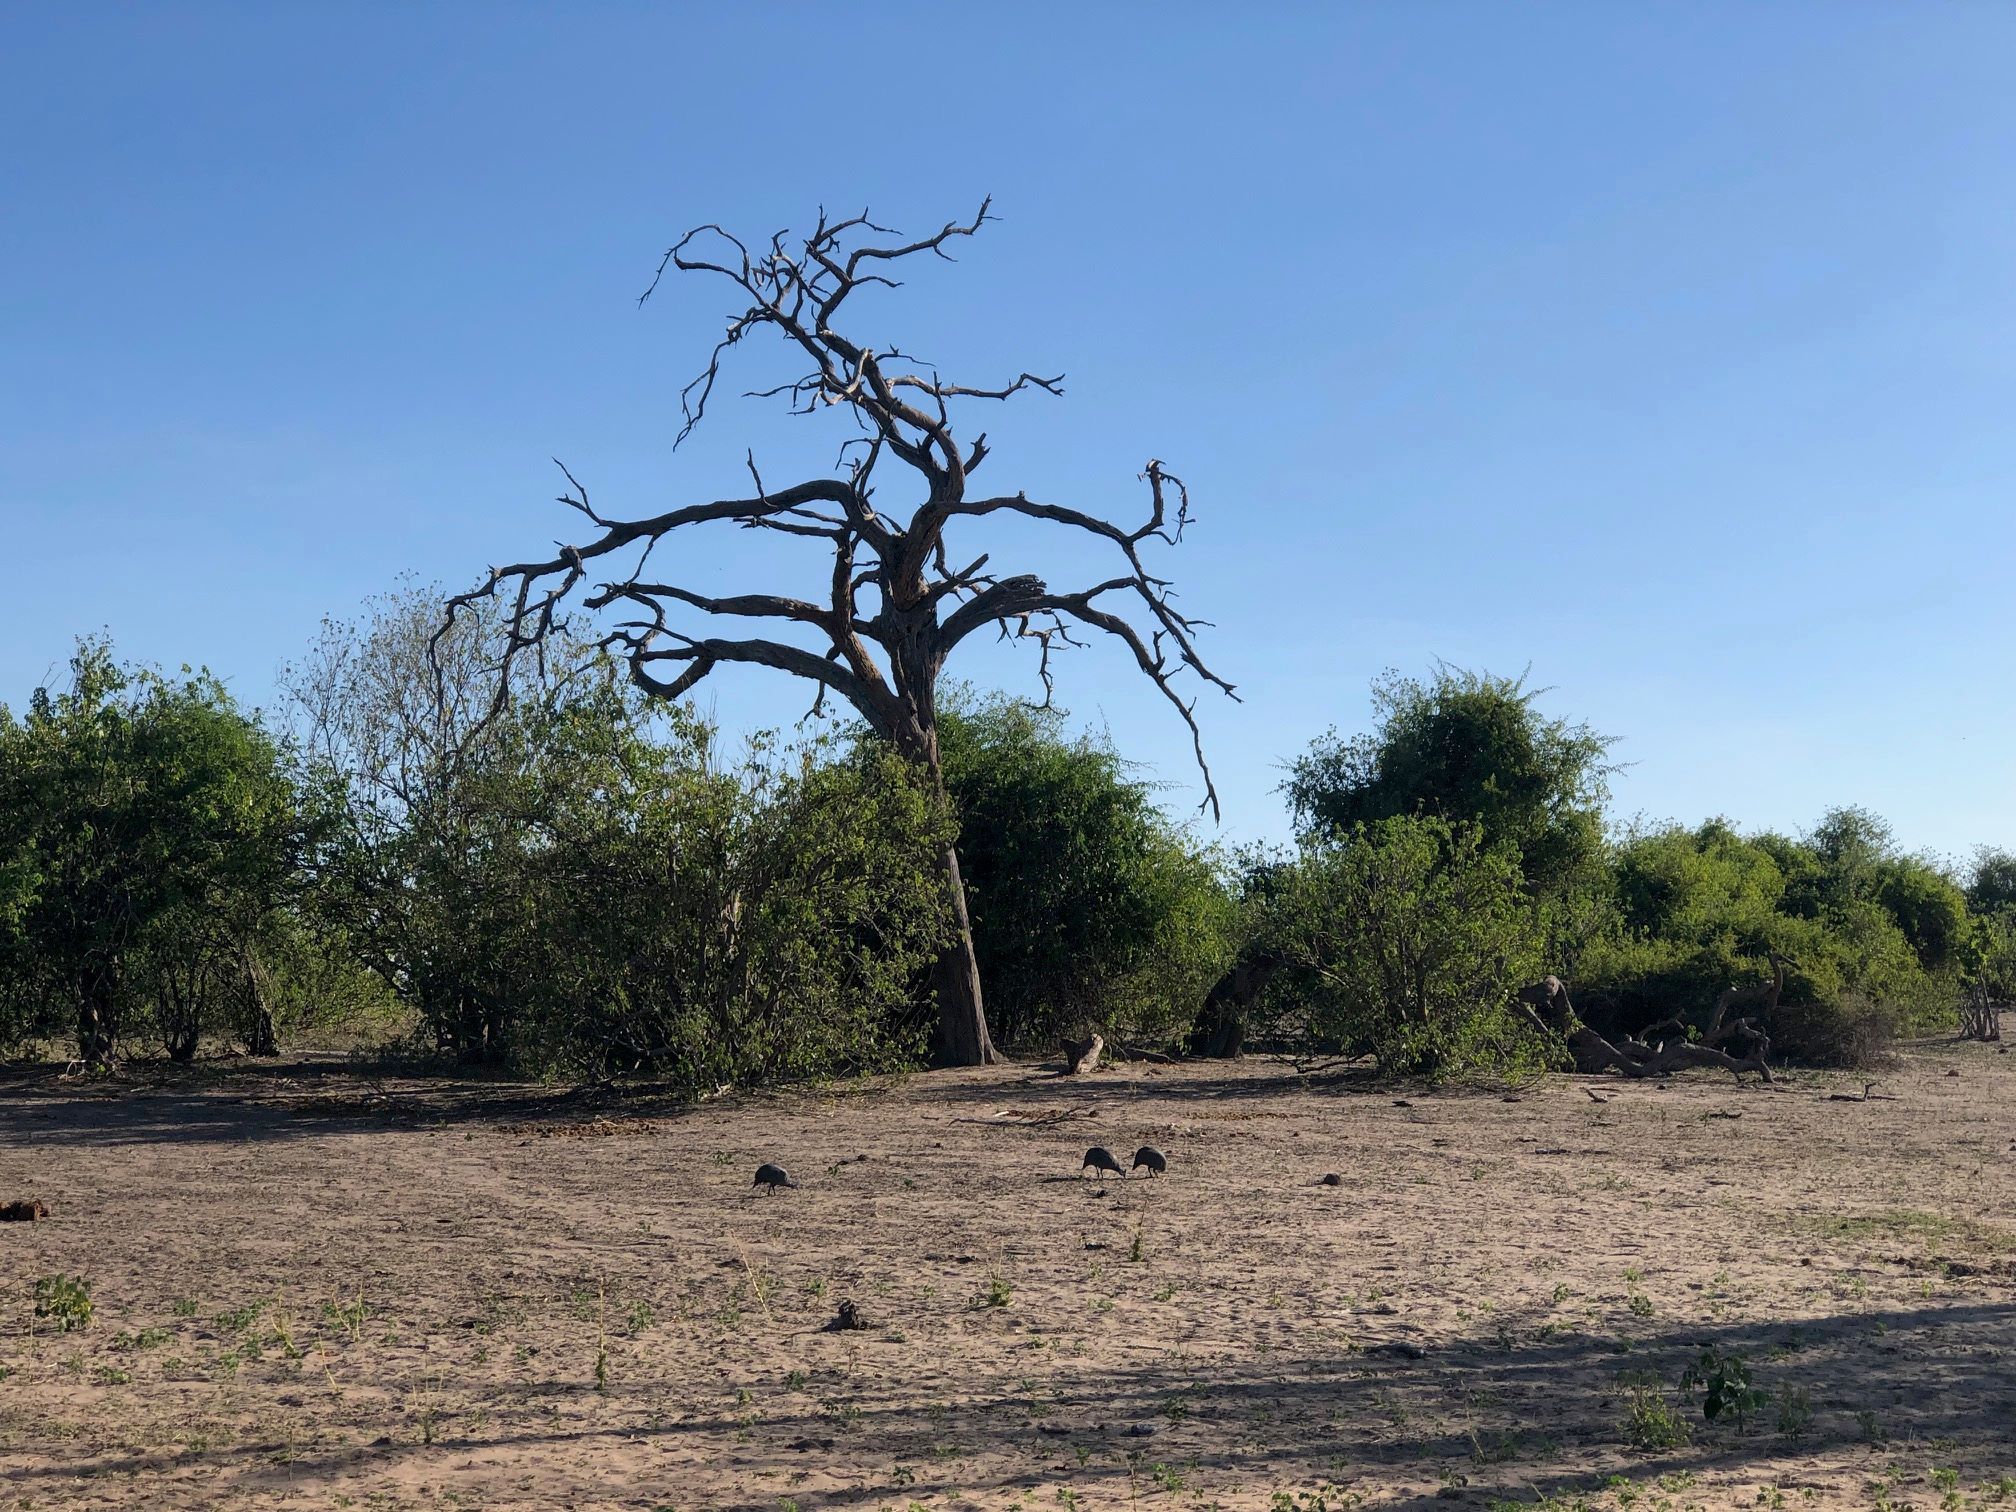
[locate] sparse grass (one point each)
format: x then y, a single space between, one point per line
1928 1229
478 1352
349 1316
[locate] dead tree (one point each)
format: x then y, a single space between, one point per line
1650 1052
1981 1015
896 601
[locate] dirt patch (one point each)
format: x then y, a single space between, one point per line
498 1297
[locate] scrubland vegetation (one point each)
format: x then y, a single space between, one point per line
582 883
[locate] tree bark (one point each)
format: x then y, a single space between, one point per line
97 1018
962 1038
261 1035
1220 1030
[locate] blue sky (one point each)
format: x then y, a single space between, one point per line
1667 349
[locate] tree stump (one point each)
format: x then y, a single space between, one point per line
1081 1057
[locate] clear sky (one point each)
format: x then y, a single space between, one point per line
1669 349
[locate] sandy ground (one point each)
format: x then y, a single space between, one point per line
317 1290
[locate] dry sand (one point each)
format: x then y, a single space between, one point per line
316 1290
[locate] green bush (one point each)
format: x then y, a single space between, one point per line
144 821
711 924
1875 941
64 1301
1406 939
1090 908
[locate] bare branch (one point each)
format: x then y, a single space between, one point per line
892 590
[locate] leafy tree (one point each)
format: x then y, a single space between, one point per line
134 808
1930 909
1466 748
397 729
1677 884
1088 904
1852 846
1992 888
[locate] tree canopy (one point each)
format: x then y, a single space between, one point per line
1466 748
132 805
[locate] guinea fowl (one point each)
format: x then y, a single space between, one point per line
1099 1158
773 1177
1152 1158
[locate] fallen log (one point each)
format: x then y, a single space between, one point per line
1640 1058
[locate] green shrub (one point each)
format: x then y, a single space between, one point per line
1405 938
65 1301
1089 906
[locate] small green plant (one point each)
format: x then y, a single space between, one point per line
1795 1411
349 1316
795 1381
1134 1250
1724 1383
1871 1428
1641 1304
1325 1498
64 1301
1650 1421
240 1319
998 1291
185 1307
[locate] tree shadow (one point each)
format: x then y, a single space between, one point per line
1488 1418
232 1101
